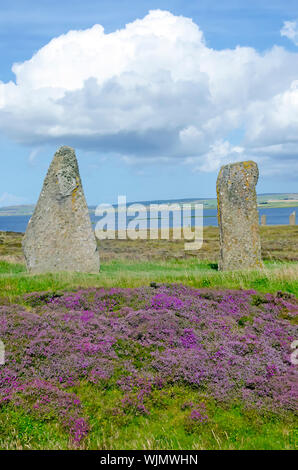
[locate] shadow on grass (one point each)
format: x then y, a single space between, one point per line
213 266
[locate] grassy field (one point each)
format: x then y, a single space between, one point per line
279 243
128 263
167 427
276 276
141 263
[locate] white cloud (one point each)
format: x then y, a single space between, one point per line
220 153
290 30
33 155
154 91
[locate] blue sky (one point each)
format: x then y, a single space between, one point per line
168 159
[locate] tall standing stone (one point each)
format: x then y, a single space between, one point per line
59 236
292 218
240 246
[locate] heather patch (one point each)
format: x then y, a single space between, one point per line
233 346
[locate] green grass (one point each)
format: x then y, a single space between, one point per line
276 276
19 431
166 427
11 268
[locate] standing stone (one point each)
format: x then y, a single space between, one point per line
59 236
263 219
292 218
240 246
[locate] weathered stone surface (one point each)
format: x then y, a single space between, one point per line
59 236
238 220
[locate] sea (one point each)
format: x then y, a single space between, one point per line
275 216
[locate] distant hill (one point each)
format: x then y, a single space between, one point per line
17 210
269 200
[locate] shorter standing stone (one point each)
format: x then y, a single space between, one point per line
263 219
292 218
59 236
238 219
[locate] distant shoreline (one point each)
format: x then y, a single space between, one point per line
268 200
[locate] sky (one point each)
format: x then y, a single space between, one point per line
153 95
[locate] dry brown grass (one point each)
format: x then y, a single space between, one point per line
279 243
11 247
